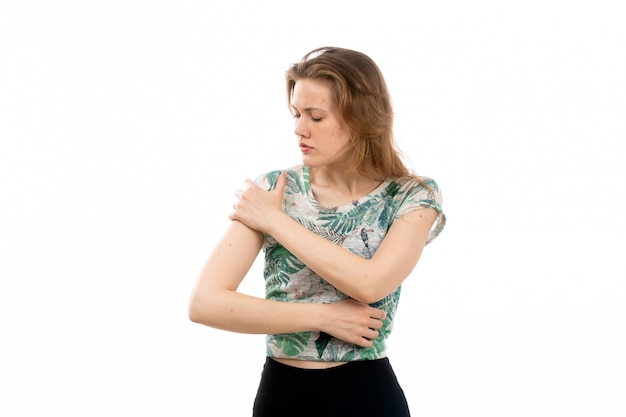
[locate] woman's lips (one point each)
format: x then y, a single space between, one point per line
305 149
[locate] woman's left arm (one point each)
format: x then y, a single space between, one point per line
365 280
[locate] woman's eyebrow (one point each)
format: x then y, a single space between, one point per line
308 109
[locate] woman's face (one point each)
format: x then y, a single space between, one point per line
322 134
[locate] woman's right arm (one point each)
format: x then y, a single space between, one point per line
215 301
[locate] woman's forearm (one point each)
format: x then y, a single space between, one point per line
348 320
241 313
349 273
366 280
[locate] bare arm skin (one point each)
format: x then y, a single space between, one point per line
215 301
365 280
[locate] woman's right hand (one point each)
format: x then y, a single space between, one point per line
353 322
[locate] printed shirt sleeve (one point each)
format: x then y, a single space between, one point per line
417 196
263 181
267 181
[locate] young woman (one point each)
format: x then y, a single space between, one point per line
340 232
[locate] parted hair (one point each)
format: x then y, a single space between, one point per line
361 93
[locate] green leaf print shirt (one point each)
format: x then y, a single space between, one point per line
359 227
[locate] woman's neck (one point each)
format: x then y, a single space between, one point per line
332 188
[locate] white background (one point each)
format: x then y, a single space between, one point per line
126 126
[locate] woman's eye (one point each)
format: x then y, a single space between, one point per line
315 119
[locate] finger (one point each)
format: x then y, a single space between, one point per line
376 324
281 182
371 334
363 342
377 314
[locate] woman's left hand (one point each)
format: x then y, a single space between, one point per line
256 207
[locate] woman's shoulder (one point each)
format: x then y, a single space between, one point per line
422 191
268 179
414 185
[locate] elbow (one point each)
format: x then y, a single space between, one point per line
369 297
206 310
195 312
200 310
372 287
368 294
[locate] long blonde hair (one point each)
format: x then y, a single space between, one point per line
361 93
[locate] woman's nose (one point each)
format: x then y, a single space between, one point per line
301 130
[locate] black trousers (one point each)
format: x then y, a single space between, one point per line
360 388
